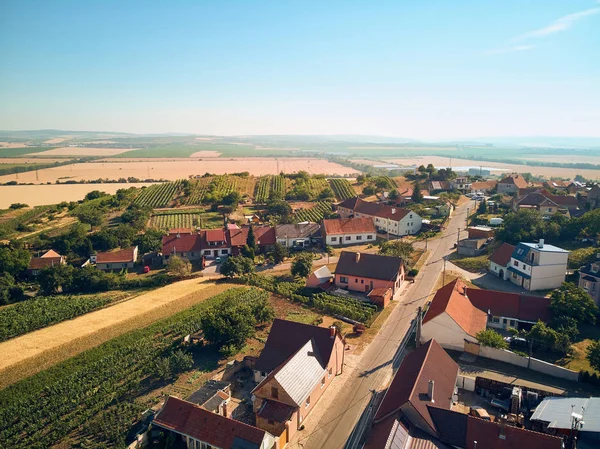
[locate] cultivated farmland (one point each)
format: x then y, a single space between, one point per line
159 195
314 214
270 187
342 188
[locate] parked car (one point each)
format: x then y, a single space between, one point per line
516 342
479 412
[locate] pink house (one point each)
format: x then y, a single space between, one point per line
364 272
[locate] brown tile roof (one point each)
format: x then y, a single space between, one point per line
451 299
286 338
373 266
378 292
357 225
411 382
237 237
50 254
517 180
375 209
275 411
484 185
181 231
37 263
297 231
185 243
534 199
123 255
186 418
215 235
502 254
265 235
564 200
511 305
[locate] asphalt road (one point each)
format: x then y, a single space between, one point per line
380 359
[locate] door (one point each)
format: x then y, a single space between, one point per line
215 252
501 274
367 288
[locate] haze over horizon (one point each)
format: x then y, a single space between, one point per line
430 71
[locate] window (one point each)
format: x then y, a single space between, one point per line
369 237
549 209
410 216
343 279
348 237
274 393
323 382
504 321
356 280
334 239
514 275
513 323
263 374
362 281
307 402
124 265
495 319
223 251
359 237
515 263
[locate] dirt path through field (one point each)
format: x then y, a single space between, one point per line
33 352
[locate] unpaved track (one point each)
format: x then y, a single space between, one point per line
30 353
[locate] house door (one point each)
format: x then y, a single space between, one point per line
367 288
215 252
501 274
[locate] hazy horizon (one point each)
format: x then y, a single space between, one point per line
432 71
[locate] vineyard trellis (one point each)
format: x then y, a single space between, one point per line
314 214
270 186
342 188
159 195
176 220
44 409
220 185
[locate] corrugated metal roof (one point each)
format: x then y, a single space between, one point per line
546 247
323 274
557 412
301 373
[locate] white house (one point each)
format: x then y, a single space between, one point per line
500 261
451 318
462 184
298 235
348 231
388 219
537 266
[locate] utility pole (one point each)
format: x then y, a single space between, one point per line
530 352
457 238
418 331
425 243
444 272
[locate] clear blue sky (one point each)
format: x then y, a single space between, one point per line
420 68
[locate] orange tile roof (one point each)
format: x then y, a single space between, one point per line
50 253
452 300
502 254
357 225
124 256
517 180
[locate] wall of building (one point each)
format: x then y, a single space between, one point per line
114 266
363 284
350 239
507 188
465 382
592 288
446 332
495 269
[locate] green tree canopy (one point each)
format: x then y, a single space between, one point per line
279 253
14 260
417 196
302 264
251 239
491 338
237 266
178 267
398 248
593 354
572 301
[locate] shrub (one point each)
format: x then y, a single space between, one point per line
491 338
413 272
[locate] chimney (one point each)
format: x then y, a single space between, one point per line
332 331
541 243
393 210
178 235
225 409
430 389
357 256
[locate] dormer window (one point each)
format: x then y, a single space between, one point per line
595 267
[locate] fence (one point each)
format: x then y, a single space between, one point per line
524 362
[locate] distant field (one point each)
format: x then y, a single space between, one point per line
38 195
81 151
173 170
20 151
28 160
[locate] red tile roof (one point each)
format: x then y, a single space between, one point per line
265 235
375 209
238 237
186 418
121 256
451 299
484 185
379 292
181 231
502 254
215 235
357 225
511 305
185 243
411 382
517 180
50 254
37 263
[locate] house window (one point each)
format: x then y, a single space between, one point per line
274 392
513 323
359 237
348 237
515 263
369 237
356 280
124 265
495 320
343 279
362 281
549 209
410 216
193 254
307 402
514 275
330 372
323 382
334 239
504 321
223 251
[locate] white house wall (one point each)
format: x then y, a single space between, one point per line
446 332
350 239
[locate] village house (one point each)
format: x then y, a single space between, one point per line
417 411
320 278
360 272
589 280
593 197
484 186
116 260
439 186
387 219
298 235
511 184
546 203
49 259
348 231
187 245
296 366
451 318
500 260
567 187
213 396
476 241
538 266
457 313
462 184
194 427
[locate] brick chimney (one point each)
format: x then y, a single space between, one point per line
357 254
332 331
225 409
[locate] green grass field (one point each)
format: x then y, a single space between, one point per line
15 152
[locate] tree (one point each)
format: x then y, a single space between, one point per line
369 190
248 252
548 338
162 368
150 240
417 196
94 194
14 260
430 169
393 194
90 215
326 194
54 279
251 239
525 225
593 354
572 301
279 253
179 267
136 216
9 290
422 169
302 264
398 248
491 338
232 199
279 208
237 266
482 208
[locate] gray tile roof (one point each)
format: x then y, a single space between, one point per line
299 376
557 412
